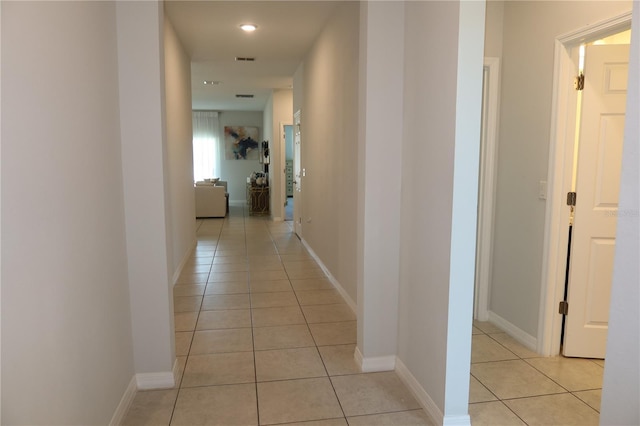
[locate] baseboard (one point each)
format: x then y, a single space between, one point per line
161 380
331 278
457 420
421 395
176 373
374 364
517 333
125 403
185 258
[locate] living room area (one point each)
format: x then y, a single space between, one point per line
231 148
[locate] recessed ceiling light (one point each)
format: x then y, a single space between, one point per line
248 27
211 83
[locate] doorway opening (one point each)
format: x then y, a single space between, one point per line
601 81
298 174
564 171
486 187
288 171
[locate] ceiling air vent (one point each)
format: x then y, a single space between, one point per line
244 59
244 96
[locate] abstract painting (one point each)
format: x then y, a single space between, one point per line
241 143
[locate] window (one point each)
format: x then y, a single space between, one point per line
206 135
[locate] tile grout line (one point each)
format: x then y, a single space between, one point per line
179 385
260 225
253 341
319 354
500 399
313 339
566 391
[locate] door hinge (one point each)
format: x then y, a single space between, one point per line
563 308
578 82
571 198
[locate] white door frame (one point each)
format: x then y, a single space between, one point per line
297 167
487 186
283 171
559 178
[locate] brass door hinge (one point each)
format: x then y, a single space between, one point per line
578 82
563 308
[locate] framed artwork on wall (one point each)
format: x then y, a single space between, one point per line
241 143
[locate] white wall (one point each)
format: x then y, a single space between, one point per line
235 172
177 68
621 389
66 336
443 75
0 217
379 164
281 105
426 208
298 85
493 29
326 91
525 114
144 169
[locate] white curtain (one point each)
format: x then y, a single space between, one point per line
206 134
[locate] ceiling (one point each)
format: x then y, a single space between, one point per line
210 33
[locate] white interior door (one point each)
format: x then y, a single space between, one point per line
597 188
297 177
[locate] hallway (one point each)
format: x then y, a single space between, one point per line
262 337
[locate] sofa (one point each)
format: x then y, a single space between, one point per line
211 200
226 191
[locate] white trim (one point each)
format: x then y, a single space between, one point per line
297 165
143 381
0 217
187 255
160 380
559 180
374 364
488 172
283 168
597 30
125 403
457 420
357 357
176 373
379 363
421 395
334 281
517 333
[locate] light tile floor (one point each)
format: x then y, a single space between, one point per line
262 337
511 385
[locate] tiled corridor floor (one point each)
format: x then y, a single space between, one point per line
262 337
510 385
